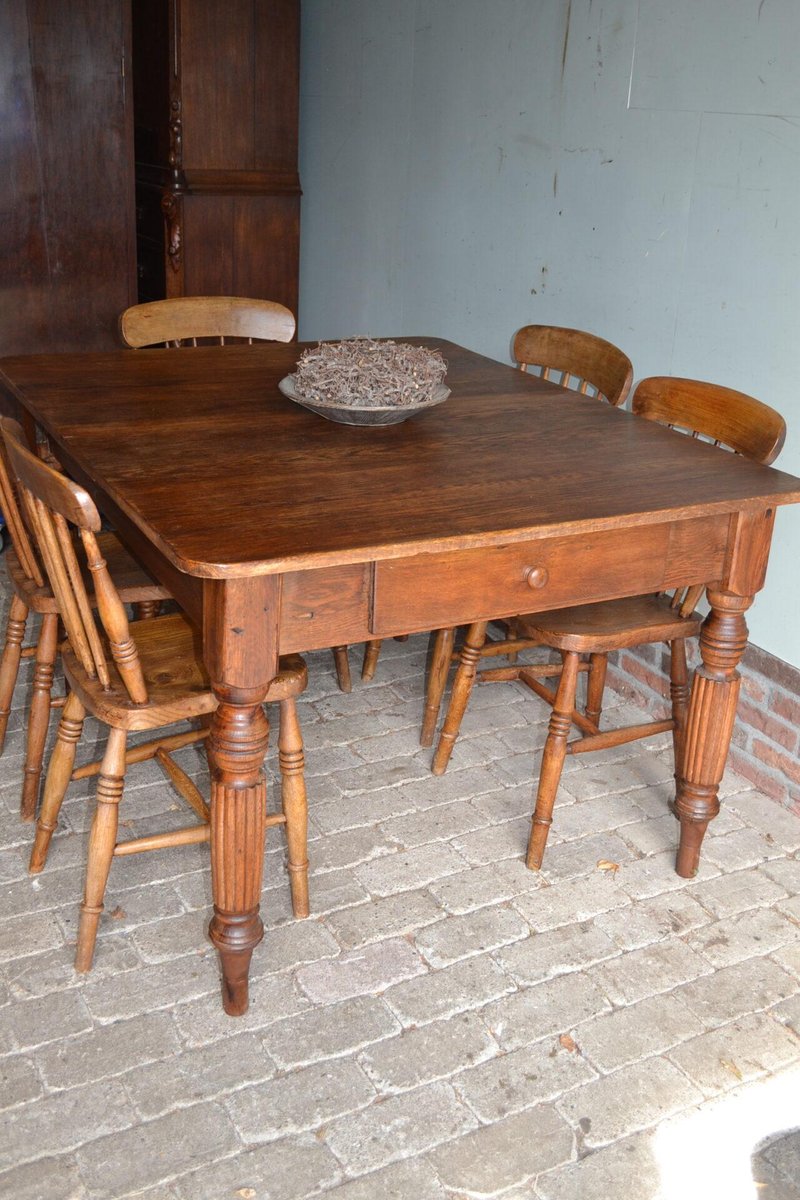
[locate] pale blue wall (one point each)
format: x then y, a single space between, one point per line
632 168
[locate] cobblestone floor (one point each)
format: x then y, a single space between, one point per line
447 1024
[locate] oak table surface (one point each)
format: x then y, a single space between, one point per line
278 529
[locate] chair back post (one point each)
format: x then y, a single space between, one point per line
21 541
186 319
588 360
53 503
726 417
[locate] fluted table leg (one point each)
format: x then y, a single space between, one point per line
712 711
240 634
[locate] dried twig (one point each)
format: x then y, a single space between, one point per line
364 373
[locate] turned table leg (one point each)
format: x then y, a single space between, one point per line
240 637
712 711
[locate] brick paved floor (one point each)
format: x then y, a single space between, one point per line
447 1024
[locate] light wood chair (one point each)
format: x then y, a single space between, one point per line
132 678
189 320
581 362
31 593
730 420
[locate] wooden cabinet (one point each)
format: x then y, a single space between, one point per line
67 246
217 192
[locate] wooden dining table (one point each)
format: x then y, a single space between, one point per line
279 531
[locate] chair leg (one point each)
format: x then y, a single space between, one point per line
512 625
462 687
371 652
58 776
145 609
342 668
294 804
9 664
595 686
39 716
555 750
437 681
679 693
102 841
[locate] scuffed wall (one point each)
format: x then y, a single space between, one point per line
470 166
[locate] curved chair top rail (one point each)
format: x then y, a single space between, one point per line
719 414
588 359
187 318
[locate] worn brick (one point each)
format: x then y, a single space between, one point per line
545 955
654 875
351 848
628 1167
734 893
571 901
409 869
388 916
56 1124
747 1048
19 1081
733 991
631 1099
408 1179
645 972
464 986
510 1152
48 1179
361 972
49 1018
158 1150
437 824
201 1074
652 920
472 934
29 934
512 1082
290 1169
108 1050
151 986
203 1020
37 974
508 840
430 1052
300 1100
330 1031
549 1008
484 885
754 932
398 1127
772 820
626 1035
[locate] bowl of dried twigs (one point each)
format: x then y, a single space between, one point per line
365 382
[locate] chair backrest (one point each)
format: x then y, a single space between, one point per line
53 503
586 363
22 543
181 322
708 412
720 415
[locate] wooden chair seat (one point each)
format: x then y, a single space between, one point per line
730 420
132 676
601 628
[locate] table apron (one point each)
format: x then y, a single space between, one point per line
430 591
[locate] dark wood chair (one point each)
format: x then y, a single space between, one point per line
132 678
581 362
730 420
190 320
31 593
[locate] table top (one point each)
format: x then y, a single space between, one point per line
229 478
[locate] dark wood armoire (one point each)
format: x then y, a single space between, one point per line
217 191
147 148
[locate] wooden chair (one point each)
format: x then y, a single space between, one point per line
132 678
187 320
581 362
730 420
31 592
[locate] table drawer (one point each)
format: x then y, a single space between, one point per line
453 588
327 607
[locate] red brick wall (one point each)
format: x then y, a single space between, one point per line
765 748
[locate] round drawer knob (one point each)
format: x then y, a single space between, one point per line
536 577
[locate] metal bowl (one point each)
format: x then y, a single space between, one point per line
349 414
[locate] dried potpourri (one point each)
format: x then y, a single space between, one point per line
363 373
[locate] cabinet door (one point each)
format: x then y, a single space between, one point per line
66 149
